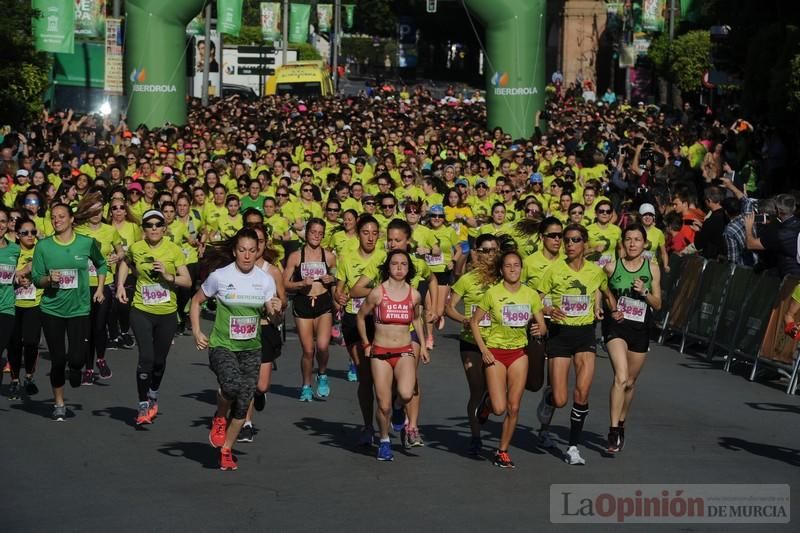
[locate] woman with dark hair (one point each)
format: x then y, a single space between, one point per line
344 238
244 294
396 305
35 208
9 258
635 282
308 275
61 268
160 268
603 235
512 308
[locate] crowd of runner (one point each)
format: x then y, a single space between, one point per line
372 220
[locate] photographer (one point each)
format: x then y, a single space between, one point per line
779 237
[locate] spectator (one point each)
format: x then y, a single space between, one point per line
779 237
709 240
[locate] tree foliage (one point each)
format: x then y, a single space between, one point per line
23 70
690 59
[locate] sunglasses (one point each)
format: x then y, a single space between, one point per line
369 203
12 217
412 211
552 235
387 206
573 240
486 250
307 175
134 191
507 191
437 216
25 233
333 209
118 208
153 225
604 211
282 195
308 190
482 186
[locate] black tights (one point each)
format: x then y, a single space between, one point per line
76 330
154 334
98 340
27 332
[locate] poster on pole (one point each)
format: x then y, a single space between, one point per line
299 17
270 21
324 18
113 62
229 16
90 18
214 52
653 15
54 29
349 11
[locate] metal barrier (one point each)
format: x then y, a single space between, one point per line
705 313
737 294
777 349
668 282
684 295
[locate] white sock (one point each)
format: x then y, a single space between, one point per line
152 394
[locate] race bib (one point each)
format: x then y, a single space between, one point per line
357 303
434 260
26 293
154 294
242 328
604 260
313 269
516 315
575 304
633 310
68 278
486 321
547 301
92 268
647 254
7 274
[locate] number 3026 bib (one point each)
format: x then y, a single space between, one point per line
242 328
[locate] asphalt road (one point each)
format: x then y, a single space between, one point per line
691 423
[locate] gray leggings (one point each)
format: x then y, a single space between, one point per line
237 374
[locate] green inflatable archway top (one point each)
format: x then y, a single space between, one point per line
155 60
515 70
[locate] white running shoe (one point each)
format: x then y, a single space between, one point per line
545 412
573 456
546 439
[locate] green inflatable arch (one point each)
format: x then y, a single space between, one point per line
155 60
515 70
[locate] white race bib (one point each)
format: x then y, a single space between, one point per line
313 269
604 260
516 315
434 260
68 278
154 294
357 303
633 310
575 304
647 254
26 293
92 269
486 322
242 328
7 274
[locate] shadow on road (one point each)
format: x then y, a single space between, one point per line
127 415
774 407
199 452
45 408
343 435
208 396
789 456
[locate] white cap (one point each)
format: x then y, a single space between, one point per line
252 147
136 141
646 209
153 213
22 172
247 162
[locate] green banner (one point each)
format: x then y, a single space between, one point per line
54 29
229 16
299 17
350 13
90 18
196 26
270 21
653 15
515 67
324 18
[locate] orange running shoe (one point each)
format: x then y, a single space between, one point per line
143 416
226 460
152 408
217 434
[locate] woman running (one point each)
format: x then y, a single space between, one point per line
160 267
635 282
308 275
574 286
9 259
244 294
61 268
129 231
471 287
193 222
512 308
396 306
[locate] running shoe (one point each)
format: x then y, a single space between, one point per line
385 451
323 388
29 386
475 446
59 413
413 439
546 439
14 390
398 418
246 434
503 460
126 341
143 414
88 377
306 394
573 457
613 440
217 434
545 411
621 435
260 400
226 460
483 410
352 373
366 437
152 408
103 370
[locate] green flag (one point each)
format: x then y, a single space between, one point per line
653 15
350 11
299 17
229 16
54 29
324 17
270 18
90 18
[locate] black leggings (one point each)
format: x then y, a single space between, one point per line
154 335
25 340
77 332
6 329
185 293
119 319
98 341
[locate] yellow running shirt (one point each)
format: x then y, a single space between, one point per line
511 314
573 292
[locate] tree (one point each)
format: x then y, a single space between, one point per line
23 70
690 59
